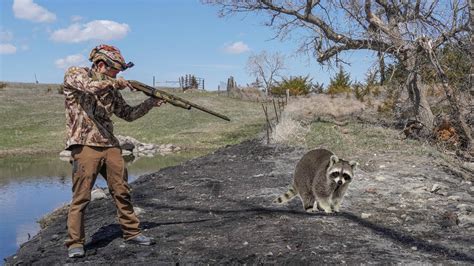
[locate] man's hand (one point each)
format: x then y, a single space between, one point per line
158 102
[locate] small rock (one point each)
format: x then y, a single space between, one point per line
464 207
435 188
449 219
54 237
138 211
65 153
414 248
392 208
147 147
469 165
382 166
371 190
269 254
365 215
98 193
288 247
122 246
455 198
127 146
380 178
246 243
466 220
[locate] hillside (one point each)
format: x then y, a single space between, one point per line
33 121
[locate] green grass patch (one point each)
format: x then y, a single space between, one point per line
33 120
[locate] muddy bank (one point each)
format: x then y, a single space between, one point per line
217 209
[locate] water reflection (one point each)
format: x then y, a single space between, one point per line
32 186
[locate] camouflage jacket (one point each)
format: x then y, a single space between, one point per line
90 102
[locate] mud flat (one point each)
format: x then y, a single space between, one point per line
218 209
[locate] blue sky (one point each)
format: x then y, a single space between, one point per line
165 39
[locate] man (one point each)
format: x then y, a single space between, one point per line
92 97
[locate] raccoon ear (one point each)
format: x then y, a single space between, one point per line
354 165
334 159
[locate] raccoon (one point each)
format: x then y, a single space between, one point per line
321 179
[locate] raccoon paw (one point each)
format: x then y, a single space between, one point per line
310 209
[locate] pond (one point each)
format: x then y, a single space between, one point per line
33 186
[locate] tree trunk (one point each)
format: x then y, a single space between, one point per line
380 55
422 110
471 19
457 117
471 79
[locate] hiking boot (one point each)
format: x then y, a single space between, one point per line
75 252
141 240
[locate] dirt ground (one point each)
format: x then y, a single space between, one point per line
218 209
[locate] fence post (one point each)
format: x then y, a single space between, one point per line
274 107
269 126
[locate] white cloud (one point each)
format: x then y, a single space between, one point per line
71 60
6 36
76 18
236 48
103 30
6 48
27 9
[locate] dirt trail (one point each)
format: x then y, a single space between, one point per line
217 209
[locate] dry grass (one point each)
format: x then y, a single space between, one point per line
300 112
300 126
310 108
289 131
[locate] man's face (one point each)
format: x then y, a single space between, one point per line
109 71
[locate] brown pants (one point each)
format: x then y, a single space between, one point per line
88 162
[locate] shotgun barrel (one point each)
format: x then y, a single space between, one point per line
172 99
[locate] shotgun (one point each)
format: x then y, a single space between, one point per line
172 99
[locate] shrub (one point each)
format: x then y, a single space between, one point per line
341 83
296 85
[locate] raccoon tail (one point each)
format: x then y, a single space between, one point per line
287 196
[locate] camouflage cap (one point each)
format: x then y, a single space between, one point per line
110 55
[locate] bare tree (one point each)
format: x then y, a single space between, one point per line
471 79
406 30
266 67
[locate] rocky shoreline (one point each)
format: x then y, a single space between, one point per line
218 209
135 148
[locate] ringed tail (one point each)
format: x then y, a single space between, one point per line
287 196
